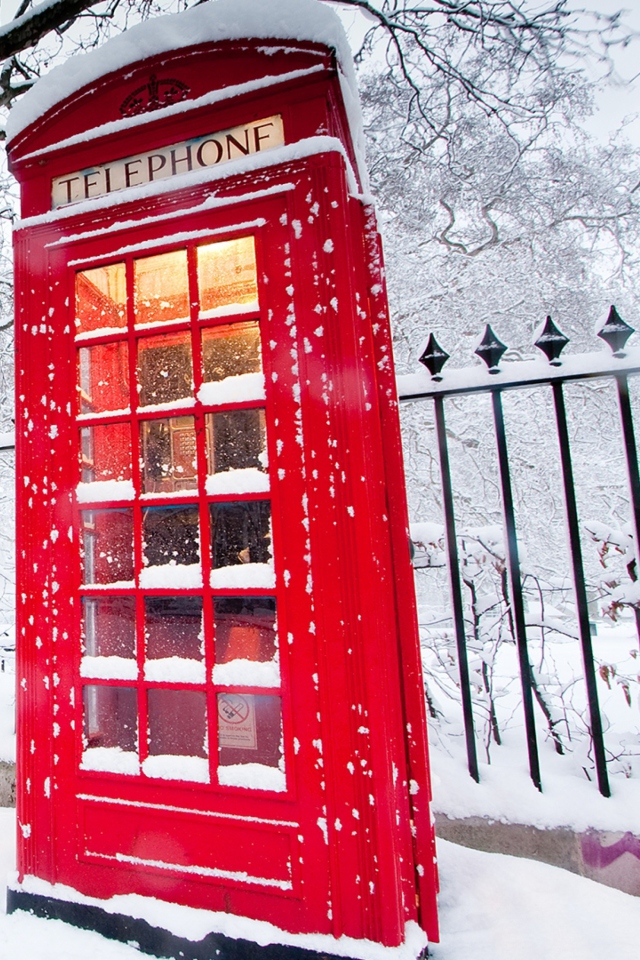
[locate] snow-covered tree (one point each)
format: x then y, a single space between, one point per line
477 48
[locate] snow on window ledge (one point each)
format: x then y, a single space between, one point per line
169 405
112 585
110 760
172 576
167 494
109 668
170 767
229 309
247 673
245 480
101 415
100 332
259 575
175 670
102 490
254 776
161 324
244 386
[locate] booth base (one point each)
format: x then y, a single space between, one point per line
154 940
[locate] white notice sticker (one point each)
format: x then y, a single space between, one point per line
237 721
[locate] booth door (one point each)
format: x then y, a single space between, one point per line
188 785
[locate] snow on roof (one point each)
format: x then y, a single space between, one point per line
306 20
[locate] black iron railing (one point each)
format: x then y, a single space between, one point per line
495 381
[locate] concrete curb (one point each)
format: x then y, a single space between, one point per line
7 783
607 857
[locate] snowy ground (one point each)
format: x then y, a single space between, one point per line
492 908
23 937
570 796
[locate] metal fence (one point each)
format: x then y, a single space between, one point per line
552 374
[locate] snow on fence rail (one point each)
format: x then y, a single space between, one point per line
530 578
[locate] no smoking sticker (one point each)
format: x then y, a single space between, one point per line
237 721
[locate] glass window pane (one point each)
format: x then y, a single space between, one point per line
177 722
230 350
173 627
164 369
238 440
245 628
106 452
249 731
103 377
227 276
240 533
110 717
109 627
170 536
168 454
161 288
107 537
101 298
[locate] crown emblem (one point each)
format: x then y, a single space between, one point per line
153 96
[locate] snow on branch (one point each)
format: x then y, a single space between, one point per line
478 47
28 29
482 49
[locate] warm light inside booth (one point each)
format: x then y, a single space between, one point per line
179 651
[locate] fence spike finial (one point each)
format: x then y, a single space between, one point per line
552 342
490 349
434 357
615 332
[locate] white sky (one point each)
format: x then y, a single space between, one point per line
7 9
619 99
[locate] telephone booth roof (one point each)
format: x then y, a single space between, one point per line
56 120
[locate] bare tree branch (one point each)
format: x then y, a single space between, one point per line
447 37
32 26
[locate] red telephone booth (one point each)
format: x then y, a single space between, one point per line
221 723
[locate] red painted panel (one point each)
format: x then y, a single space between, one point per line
182 845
